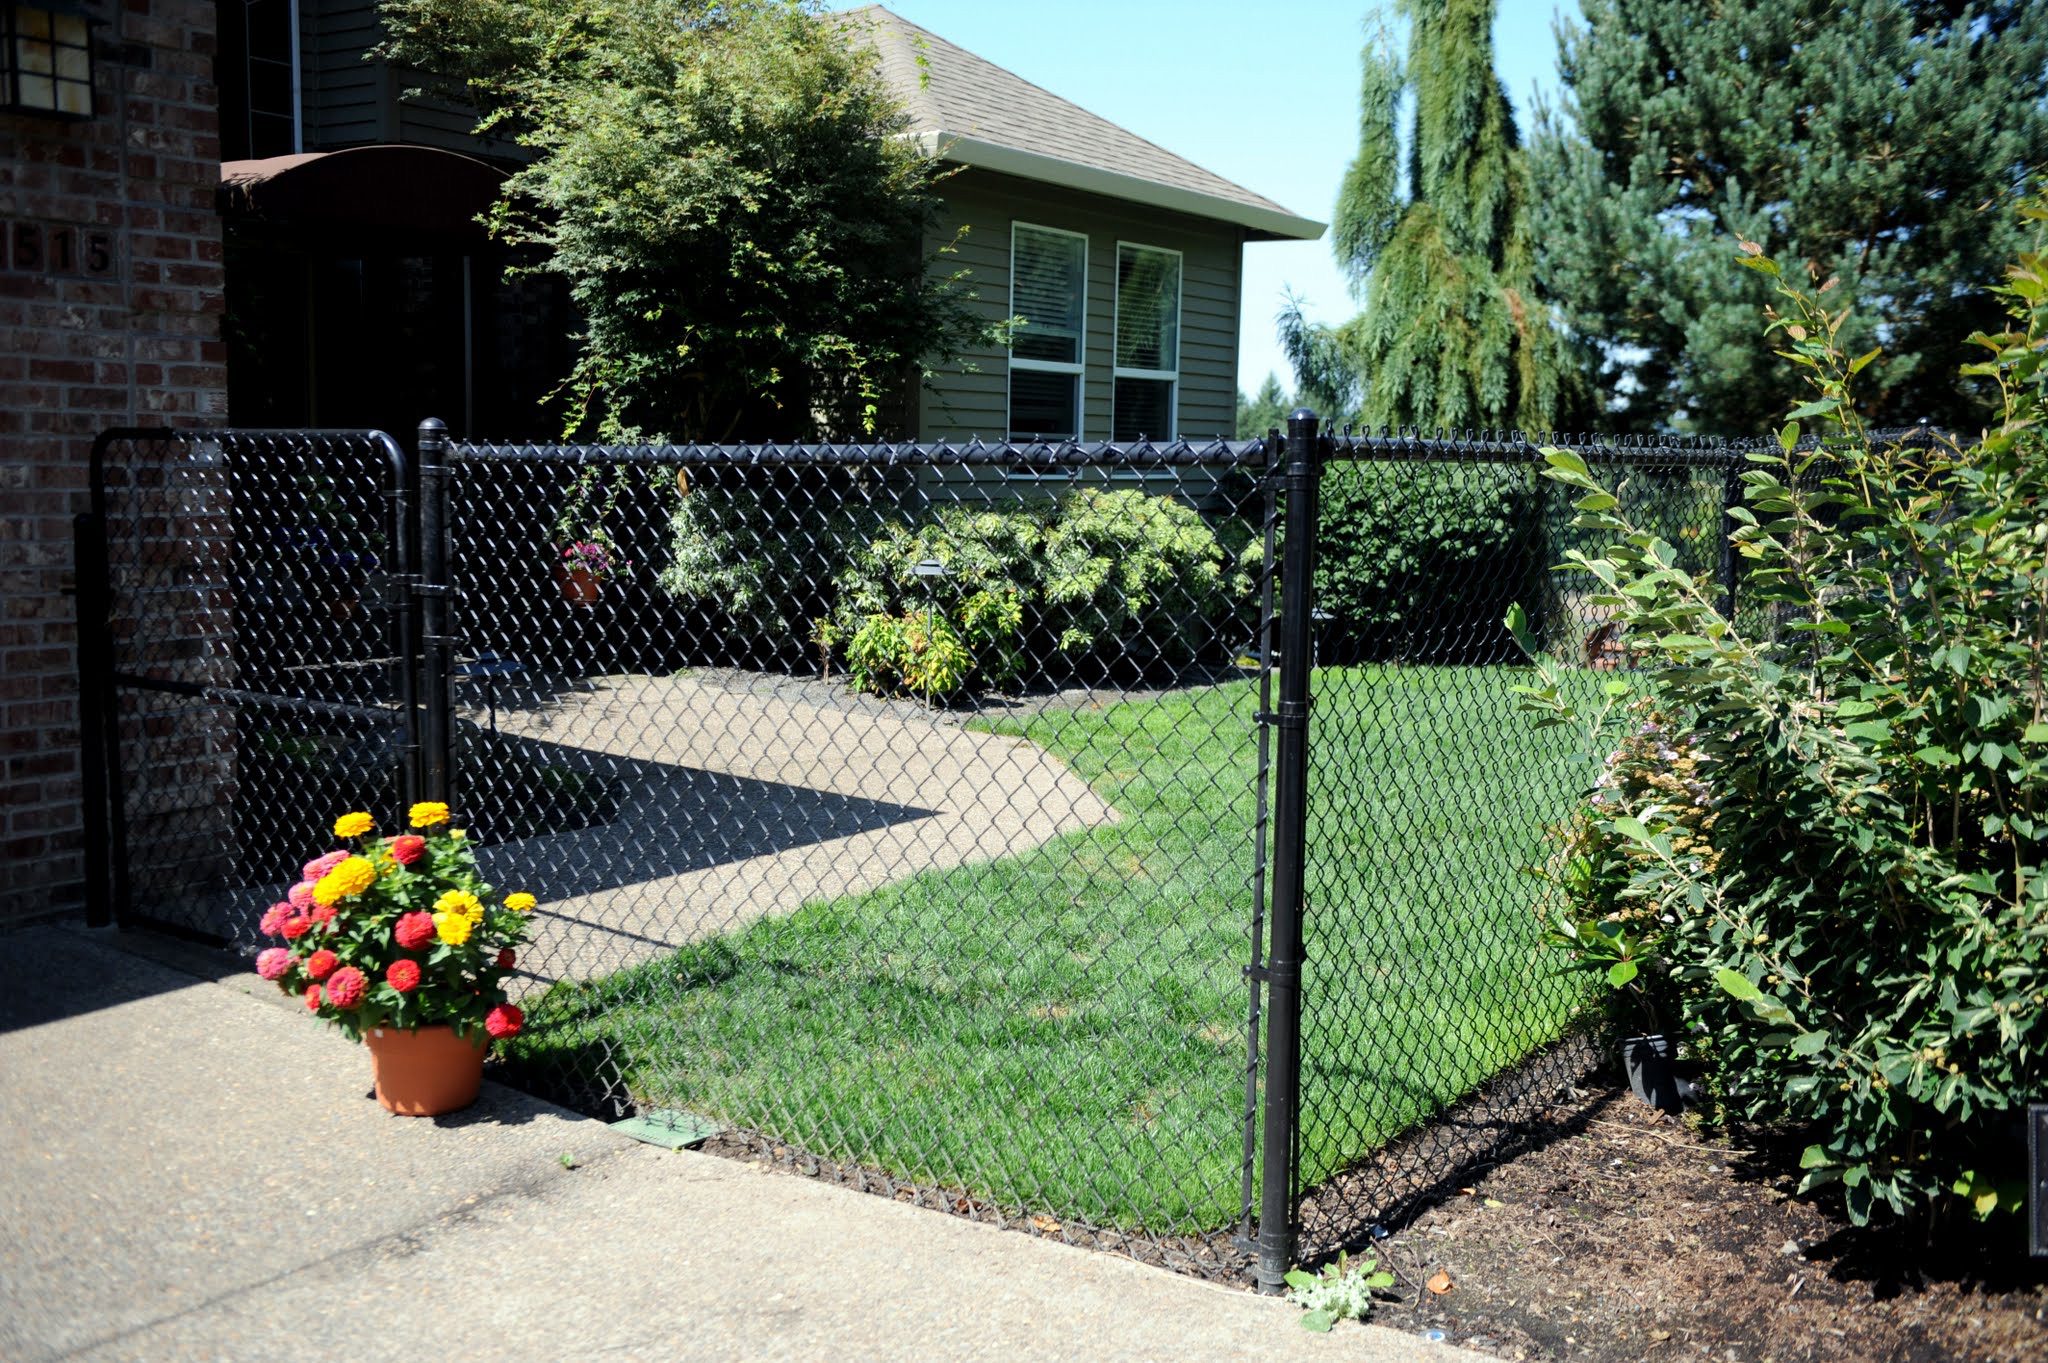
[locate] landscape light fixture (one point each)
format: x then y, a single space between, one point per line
46 60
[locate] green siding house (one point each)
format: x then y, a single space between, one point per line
1124 261
362 292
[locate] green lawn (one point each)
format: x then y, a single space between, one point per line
1064 1030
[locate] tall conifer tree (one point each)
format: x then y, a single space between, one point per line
1452 332
1878 141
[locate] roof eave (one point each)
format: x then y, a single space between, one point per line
1260 224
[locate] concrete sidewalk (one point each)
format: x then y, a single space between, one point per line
192 1171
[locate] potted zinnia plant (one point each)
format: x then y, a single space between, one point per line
400 943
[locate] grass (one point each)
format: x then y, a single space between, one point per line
1065 1029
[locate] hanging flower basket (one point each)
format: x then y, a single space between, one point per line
581 570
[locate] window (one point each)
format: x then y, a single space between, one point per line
1048 289
1147 371
256 69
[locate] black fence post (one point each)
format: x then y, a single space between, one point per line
1731 497
435 645
89 537
1282 974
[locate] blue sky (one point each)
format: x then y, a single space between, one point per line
1265 95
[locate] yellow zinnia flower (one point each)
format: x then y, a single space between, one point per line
452 928
428 813
520 903
351 877
353 825
457 834
459 901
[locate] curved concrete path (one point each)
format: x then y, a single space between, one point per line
737 804
195 1171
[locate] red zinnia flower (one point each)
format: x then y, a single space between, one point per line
404 976
297 926
504 1020
506 958
345 988
413 930
408 848
324 914
321 964
312 998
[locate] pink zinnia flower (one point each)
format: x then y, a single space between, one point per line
300 896
274 963
272 922
345 987
321 865
504 1021
404 975
413 930
408 848
323 913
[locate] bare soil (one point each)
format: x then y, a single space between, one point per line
1619 1233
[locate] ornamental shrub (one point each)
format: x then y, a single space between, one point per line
1098 579
1847 890
1131 577
1419 563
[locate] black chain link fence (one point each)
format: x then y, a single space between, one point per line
243 662
919 816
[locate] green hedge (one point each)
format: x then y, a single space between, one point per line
1420 562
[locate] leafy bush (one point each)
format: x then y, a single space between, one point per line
1853 905
1131 576
1419 563
760 549
1099 578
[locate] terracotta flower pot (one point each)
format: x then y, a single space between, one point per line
579 586
426 1072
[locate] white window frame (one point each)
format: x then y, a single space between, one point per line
1079 368
1171 376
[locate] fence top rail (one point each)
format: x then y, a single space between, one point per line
1019 455
1418 446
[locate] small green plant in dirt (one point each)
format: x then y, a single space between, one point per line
1838 823
1342 1291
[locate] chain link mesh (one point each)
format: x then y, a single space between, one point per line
900 813
254 672
894 809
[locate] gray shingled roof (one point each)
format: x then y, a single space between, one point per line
977 113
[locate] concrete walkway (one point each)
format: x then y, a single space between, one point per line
737 805
194 1170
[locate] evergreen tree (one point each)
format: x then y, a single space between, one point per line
1265 412
1452 332
1874 140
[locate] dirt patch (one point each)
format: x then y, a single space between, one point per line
1623 1234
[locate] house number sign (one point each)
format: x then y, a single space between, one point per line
59 248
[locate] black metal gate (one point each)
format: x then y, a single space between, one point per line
247 663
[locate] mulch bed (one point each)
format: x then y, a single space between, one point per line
1619 1233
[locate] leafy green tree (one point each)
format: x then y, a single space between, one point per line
1265 412
723 186
1876 142
1453 332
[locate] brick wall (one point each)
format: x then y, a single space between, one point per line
110 301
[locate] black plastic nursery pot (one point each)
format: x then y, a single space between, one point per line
1652 1066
